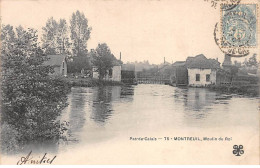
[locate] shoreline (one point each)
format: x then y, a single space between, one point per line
246 90
89 82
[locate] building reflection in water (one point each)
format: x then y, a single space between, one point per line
127 92
199 104
199 99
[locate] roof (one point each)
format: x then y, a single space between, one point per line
201 62
55 60
179 63
128 67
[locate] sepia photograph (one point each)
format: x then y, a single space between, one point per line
129 82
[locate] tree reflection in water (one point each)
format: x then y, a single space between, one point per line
77 116
102 107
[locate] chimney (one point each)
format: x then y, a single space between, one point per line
227 60
164 59
120 56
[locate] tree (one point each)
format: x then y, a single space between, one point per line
62 36
80 32
55 37
103 59
7 36
31 98
252 61
49 36
237 64
81 62
244 64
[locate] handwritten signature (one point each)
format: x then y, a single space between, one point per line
30 160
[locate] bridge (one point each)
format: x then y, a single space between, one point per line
153 81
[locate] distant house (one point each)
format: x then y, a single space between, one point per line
128 74
113 74
201 71
165 70
59 63
179 76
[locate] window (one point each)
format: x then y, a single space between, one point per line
110 73
197 77
208 77
63 64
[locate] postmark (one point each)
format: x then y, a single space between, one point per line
228 4
237 33
233 52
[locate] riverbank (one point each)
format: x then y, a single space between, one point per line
89 82
248 90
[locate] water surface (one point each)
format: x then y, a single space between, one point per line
99 114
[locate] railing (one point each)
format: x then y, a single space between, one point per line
153 81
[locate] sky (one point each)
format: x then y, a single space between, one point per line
139 29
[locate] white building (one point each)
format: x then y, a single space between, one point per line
113 74
59 64
202 71
201 77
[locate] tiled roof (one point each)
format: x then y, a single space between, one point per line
55 60
201 62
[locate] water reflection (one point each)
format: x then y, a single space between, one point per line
95 102
102 107
202 107
77 115
199 99
125 91
100 113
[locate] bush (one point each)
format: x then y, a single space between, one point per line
32 99
9 138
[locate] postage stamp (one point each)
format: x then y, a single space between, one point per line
239 26
238 29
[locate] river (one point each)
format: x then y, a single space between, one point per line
100 113
102 120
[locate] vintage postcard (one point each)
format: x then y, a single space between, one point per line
130 82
